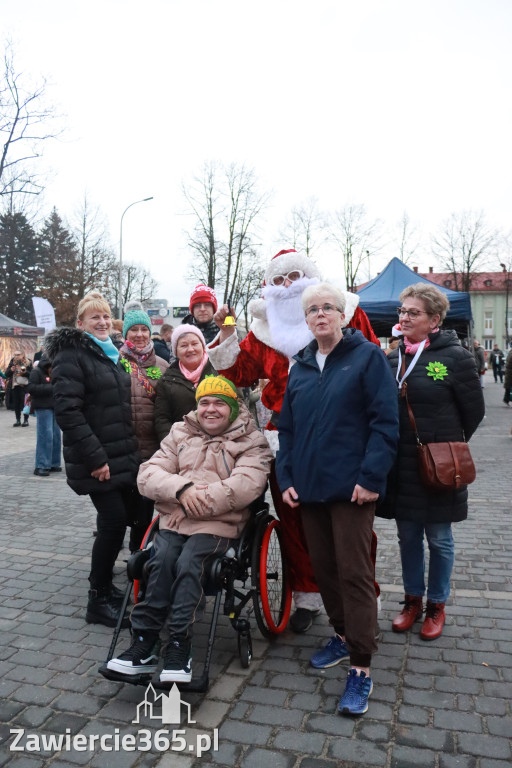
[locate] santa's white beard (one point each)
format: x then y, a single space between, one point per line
285 315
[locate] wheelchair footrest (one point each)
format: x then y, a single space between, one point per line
196 685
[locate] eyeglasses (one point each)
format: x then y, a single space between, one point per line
292 276
327 309
413 313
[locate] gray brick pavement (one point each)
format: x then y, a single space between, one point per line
438 705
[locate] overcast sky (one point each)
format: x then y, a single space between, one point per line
400 105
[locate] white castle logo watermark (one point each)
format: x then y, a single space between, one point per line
143 740
171 706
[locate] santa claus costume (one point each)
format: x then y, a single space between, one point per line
278 331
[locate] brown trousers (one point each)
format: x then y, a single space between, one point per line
339 539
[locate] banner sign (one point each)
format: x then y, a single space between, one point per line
44 312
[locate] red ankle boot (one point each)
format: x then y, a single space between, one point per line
412 610
434 621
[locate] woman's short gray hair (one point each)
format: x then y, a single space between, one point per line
314 291
435 300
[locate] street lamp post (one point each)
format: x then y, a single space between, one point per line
507 288
120 300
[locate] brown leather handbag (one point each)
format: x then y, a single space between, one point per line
443 466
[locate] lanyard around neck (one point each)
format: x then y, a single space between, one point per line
411 365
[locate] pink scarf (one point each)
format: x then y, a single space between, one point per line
412 347
194 375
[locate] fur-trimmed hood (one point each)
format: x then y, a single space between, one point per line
69 338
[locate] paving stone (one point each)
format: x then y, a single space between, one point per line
357 752
301 743
500 726
416 736
409 757
263 758
486 746
456 761
244 733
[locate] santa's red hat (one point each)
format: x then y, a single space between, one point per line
285 261
203 293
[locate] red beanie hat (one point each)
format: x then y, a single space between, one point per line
203 293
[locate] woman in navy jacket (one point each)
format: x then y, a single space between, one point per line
338 433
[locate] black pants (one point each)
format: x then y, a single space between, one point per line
18 400
176 573
113 514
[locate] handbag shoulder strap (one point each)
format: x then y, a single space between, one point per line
409 409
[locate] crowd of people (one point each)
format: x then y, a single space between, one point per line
161 423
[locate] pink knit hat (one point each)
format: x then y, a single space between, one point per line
181 330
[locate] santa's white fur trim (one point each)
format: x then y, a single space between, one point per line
225 354
281 265
258 309
272 436
351 302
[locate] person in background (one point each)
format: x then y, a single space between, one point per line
92 393
497 360
48 437
166 334
338 433
208 470
203 305
161 348
177 389
146 370
18 372
117 333
480 361
508 379
447 403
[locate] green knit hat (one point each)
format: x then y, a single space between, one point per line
224 389
135 317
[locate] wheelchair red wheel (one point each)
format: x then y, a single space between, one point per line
273 597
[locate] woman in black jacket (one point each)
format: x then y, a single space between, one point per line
48 440
446 399
176 394
92 406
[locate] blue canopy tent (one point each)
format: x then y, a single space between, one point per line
380 297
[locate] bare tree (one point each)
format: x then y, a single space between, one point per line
24 127
204 201
138 283
357 237
226 205
96 259
305 228
464 243
407 240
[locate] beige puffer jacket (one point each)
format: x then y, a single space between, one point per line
143 408
234 466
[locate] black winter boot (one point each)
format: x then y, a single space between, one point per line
102 609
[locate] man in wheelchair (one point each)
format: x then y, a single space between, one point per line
203 477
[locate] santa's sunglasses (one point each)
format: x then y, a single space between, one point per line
292 276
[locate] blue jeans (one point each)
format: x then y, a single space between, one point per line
48 444
412 552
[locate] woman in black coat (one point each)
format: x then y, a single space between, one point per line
92 405
446 399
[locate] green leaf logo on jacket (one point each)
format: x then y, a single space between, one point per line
437 370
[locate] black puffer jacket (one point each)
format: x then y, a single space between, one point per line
448 406
92 406
40 387
175 397
209 329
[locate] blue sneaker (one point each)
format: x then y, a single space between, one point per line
354 700
334 652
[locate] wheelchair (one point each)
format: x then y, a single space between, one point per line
251 577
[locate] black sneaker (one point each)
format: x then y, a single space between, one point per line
41 472
177 661
103 609
141 658
302 620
